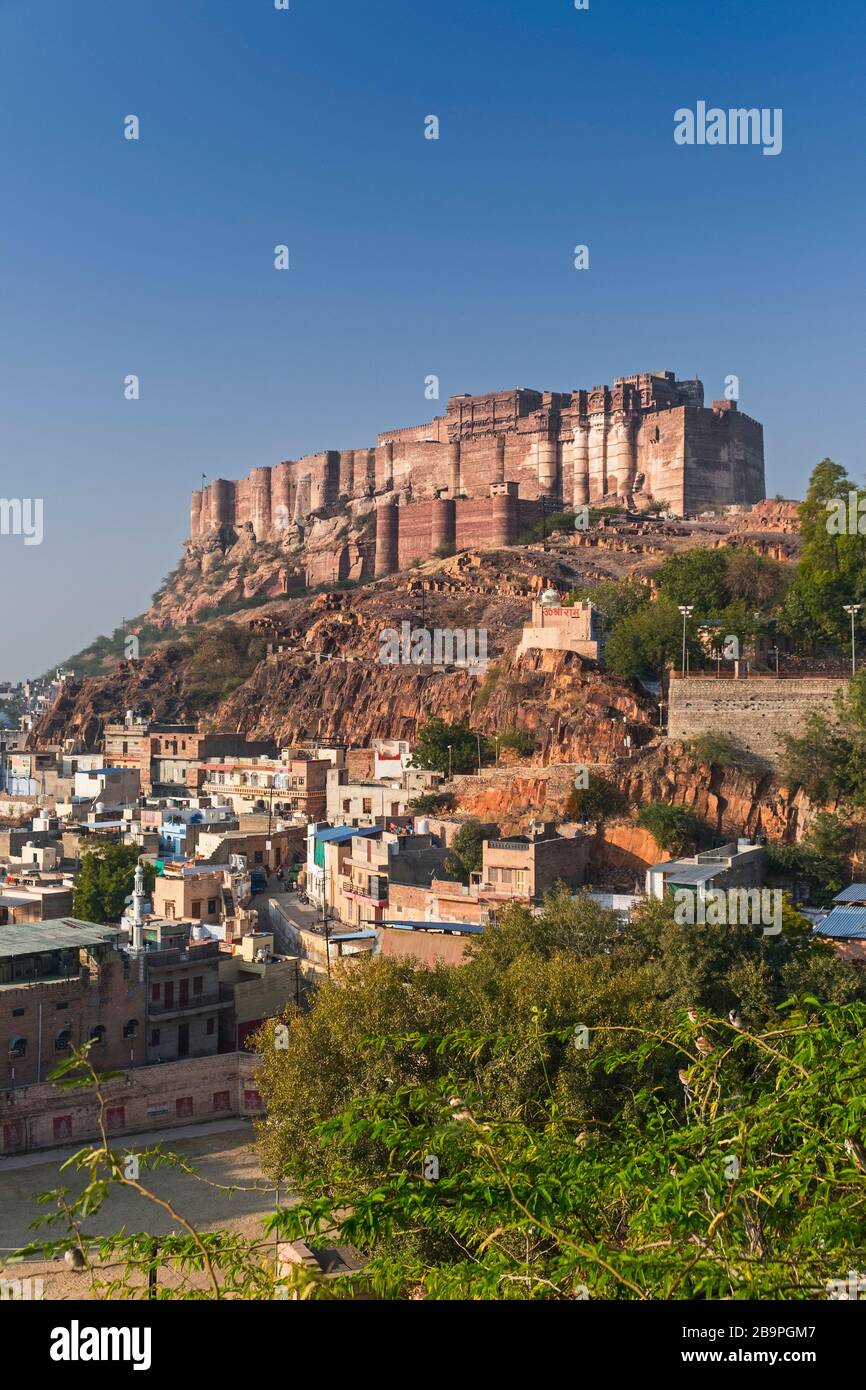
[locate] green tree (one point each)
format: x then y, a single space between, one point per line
672 827
832 569
466 853
614 599
105 882
733 1181
698 577
432 747
645 642
599 798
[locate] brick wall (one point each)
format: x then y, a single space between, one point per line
756 712
149 1098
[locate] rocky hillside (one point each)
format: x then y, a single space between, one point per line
232 647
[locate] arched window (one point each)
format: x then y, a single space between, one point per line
130 1028
18 1047
61 1040
97 1035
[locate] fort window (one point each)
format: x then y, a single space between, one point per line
130 1028
183 1106
211 905
221 1100
18 1013
115 1117
97 1035
61 1040
154 1037
18 1047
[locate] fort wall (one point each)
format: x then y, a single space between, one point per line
755 712
647 436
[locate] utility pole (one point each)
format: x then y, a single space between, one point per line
852 609
686 609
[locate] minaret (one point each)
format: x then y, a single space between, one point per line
138 908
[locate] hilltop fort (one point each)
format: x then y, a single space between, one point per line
477 474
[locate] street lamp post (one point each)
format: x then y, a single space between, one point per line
852 609
686 609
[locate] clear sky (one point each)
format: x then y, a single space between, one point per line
409 257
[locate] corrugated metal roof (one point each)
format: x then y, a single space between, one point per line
60 933
844 923
470 928
854 893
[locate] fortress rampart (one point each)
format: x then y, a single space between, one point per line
755 711
647 437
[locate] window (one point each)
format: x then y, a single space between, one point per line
211 904
155 991
97 1035
196 907
347 806
63 1005
154 1037
367 806
252 1100
18 1013
222 1100
210 1026
183 1107
61 1040
197 984
18 1047
258 857
130 1028
62 1125
169 910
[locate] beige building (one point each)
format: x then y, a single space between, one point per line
555 626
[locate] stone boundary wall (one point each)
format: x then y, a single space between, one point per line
755 711
143 1099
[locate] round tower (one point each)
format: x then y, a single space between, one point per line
387 536
222 499
260 501
443 525
195 515
454 469
346 486
503 518
548 466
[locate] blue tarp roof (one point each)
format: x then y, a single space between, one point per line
347 832
844 923
854 893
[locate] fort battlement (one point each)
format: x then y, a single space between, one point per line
649 436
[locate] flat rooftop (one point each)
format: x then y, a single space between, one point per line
54 934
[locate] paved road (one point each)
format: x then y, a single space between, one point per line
220 1152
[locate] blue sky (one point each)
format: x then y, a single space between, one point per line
408 257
